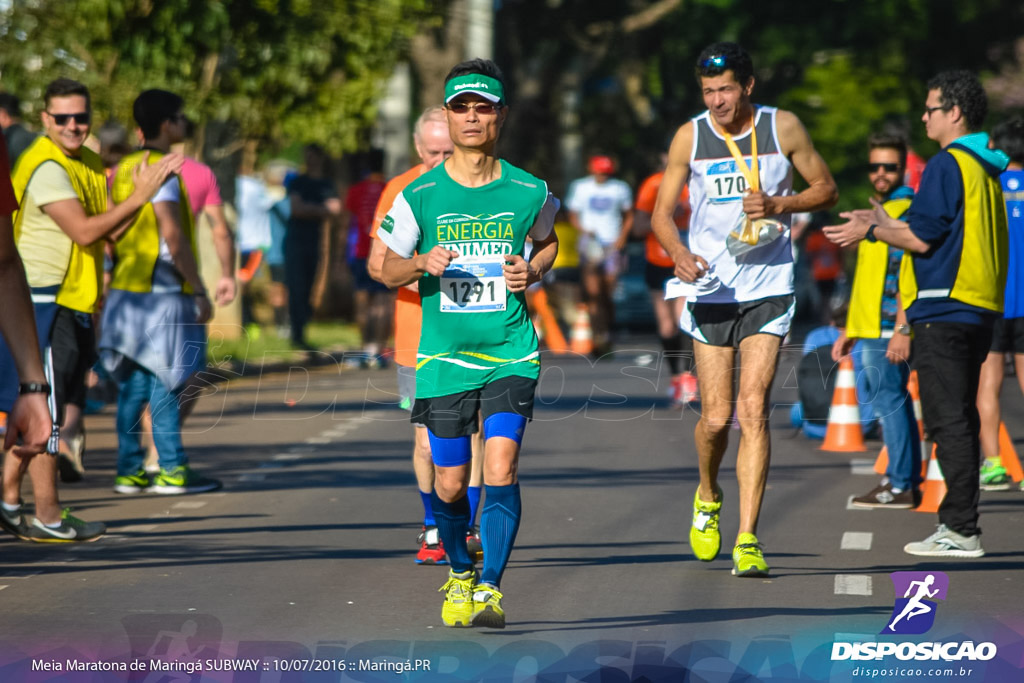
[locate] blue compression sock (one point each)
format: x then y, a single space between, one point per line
499 524
428 510
473 493
452 520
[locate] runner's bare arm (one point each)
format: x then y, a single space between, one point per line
398 271
520 274
375 261
689 267
29 420
797 146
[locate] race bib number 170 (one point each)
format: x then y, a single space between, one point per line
723 182
474 284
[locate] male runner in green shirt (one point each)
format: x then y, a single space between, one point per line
460 230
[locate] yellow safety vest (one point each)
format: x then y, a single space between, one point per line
981 274
137 251
864 319
80 288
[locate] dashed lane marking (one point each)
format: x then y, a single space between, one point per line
190 504
856 540
853 584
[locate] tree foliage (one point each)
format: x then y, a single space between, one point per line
623 85
277 69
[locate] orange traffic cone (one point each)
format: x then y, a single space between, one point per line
582 336
1008 454
843 434
882 461
547 324
933 489
915 394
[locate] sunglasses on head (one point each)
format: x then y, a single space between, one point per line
81 118
717 61
888 168
478 107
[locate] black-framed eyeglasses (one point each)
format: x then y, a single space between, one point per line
928 110
479 107
882 166
81 118
717 61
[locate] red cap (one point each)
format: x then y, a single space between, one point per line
601 164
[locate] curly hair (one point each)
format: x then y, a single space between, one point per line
1009 137
962 89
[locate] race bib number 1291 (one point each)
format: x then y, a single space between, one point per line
474 284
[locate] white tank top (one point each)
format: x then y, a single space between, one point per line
716 197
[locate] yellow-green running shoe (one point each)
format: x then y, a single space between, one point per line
457 610
704 537
747 558
487 609
994 476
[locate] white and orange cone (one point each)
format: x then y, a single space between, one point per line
843 434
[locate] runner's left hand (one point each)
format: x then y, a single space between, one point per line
517 273
758 205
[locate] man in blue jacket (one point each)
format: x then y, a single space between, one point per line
951 283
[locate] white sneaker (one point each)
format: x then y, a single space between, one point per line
946 543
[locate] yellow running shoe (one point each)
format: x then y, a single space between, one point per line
747 559
457 610
487 609
704 537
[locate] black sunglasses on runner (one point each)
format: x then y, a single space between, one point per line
81 118
888 168
479 107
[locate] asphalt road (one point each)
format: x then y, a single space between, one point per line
304 561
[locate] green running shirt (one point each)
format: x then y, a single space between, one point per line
474 331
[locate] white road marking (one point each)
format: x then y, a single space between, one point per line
318 440
190 504
853 584
137 528
288 456
856 540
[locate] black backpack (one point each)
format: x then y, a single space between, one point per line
816 381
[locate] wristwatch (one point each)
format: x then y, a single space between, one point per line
903 329
870 236
33 388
